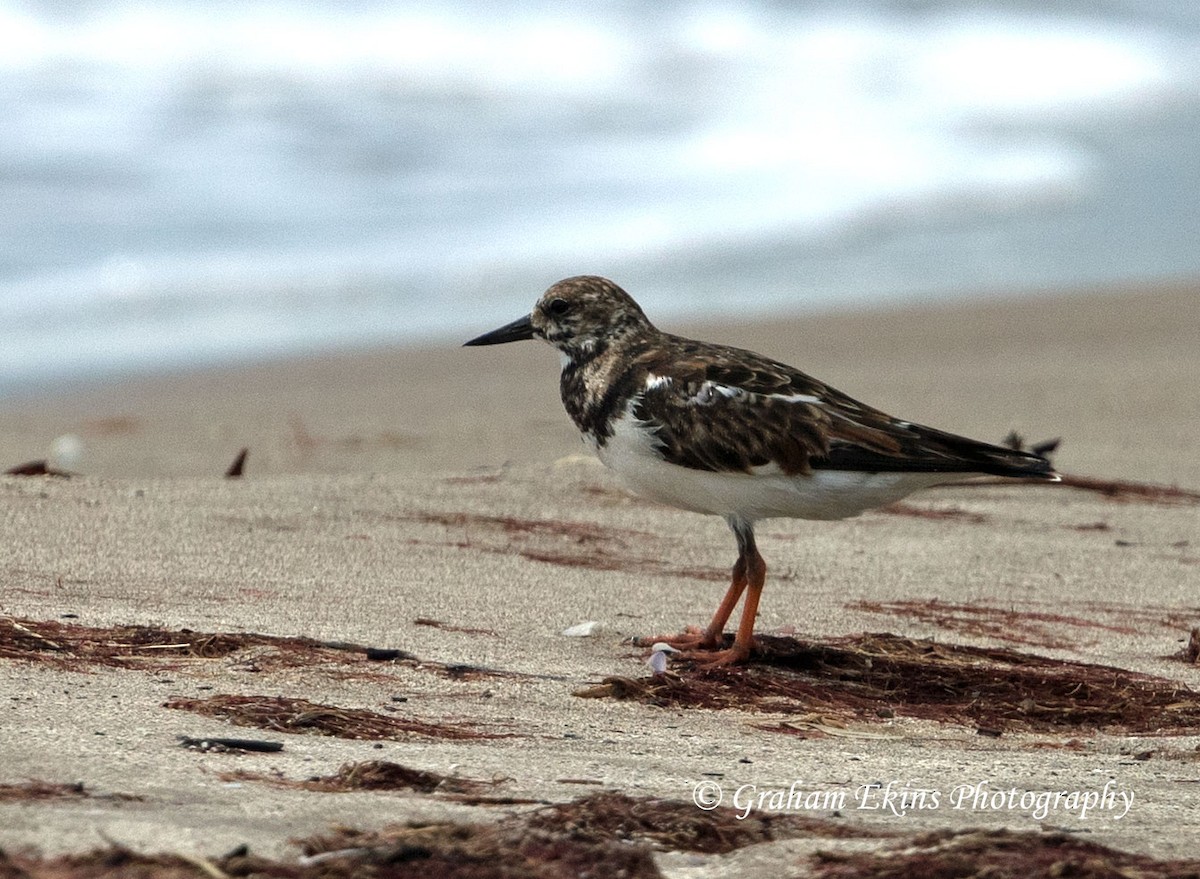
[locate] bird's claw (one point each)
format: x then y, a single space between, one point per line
697 645
717 658
692 638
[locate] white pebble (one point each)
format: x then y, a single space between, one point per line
582 630
65 452
658 662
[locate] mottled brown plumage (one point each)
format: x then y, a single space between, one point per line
726 431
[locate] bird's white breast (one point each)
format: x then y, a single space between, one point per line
632 452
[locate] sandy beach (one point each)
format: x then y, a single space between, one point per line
437 502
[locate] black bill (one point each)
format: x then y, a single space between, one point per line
516 331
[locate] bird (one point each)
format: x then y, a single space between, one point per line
724 431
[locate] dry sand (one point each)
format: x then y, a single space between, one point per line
447 485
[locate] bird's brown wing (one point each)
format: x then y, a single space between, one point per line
723 409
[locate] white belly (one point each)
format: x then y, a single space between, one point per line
763 493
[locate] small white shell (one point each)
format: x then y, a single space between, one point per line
65 452
582 630
658 662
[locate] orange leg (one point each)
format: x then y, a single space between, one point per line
749 574
716 627
695 638
743 642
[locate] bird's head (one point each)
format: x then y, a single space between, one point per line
578 316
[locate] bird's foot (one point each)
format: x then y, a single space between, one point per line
716 658
693 638
697 645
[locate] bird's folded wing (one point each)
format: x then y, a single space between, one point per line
734 416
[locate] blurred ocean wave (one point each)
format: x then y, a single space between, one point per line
191 182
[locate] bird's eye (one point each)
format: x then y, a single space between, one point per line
558 307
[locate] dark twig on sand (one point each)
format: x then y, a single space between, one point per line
36 468
1191 653
214 744
238 466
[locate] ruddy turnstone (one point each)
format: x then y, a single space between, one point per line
720 430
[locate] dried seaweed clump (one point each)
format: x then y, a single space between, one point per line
36 789
868 676
41 790
474 851
998 854
373 775
77 648
301 716
679 826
